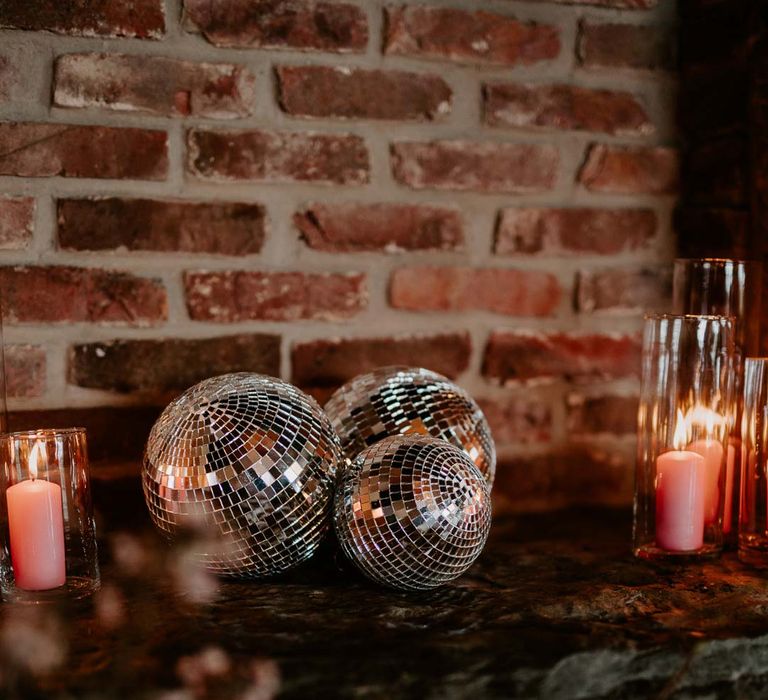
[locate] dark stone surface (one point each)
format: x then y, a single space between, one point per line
555 608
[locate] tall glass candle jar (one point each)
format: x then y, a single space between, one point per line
753 512
686 397
728 288
47 530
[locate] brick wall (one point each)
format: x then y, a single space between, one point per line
312 189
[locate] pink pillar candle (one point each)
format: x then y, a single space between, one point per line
712 452
681 486
36 525
730 462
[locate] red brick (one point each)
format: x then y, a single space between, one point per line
633 46
515 420
144 19
105 442
630 169
565 107
568 231
24 371
468 37
623 291
170 364
511 292
346 228
223 228
73 295
321 366
155 85
17 216
480 166
232 296
272 156
355 93
564 477
306 25
524 355
596 415
43 150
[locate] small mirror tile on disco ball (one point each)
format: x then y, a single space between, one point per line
254 459
412 512
405 401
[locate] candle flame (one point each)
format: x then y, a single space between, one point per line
700 416
680 438
36 454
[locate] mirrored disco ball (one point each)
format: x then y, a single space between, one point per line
406 401
412 512
251 458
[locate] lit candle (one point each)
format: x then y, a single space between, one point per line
712 452
36 526
730 461
680 495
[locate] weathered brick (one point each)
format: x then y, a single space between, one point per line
232 296
24 371
306 25
566 231
74 295
564 477
525 355
722 233
170 364
144 19
619 290
595 415
272 156
564 107
480 166
355 93
16 222
44 150
113 433
323 365
468 37
155 85
633 46
515 420
224 228
352 227
630 169
511 292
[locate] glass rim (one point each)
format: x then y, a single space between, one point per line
42 433
757 359
689 317
713 261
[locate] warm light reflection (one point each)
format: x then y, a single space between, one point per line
700 417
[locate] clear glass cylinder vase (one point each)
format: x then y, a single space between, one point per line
684 418
725 287
47 532
753 511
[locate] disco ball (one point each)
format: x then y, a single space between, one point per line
412 512
406 401
252 459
